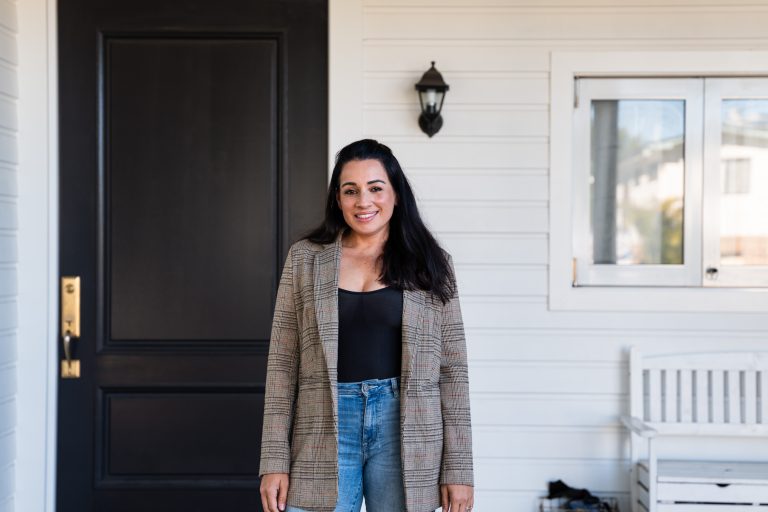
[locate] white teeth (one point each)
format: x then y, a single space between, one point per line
365 216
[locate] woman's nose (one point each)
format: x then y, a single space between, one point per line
363 198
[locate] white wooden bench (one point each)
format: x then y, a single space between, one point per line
697 395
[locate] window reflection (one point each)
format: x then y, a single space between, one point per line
744 183
637 181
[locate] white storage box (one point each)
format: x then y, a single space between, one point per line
708 486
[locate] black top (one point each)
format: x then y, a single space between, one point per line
370 334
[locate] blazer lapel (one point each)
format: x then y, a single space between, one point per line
413 312
326 307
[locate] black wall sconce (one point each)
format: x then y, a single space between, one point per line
432 91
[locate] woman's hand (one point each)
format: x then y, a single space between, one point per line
274 491
457 498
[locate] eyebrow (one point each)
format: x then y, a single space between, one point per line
369 183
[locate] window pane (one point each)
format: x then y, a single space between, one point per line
744 183
637 180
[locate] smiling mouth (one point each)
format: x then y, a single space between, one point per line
365 216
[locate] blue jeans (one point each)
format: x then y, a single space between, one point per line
369 447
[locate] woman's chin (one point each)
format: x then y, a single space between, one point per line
367 229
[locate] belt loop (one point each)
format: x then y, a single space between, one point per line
393 382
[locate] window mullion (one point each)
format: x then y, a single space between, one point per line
694 170
713 96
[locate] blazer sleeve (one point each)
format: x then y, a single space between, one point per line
282 374
454 395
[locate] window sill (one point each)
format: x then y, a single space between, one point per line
660 299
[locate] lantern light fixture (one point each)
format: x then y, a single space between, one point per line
432 91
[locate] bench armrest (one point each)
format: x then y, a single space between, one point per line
638 426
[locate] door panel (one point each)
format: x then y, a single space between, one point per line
192 153
193 211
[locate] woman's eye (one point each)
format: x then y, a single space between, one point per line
349 192
376 189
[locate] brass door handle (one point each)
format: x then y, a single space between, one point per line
70 324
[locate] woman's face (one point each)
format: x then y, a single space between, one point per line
366 197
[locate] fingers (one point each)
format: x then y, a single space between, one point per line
283 495
272 497
457 498
265 491
274 491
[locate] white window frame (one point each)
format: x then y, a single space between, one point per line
717 91
565 68
687 274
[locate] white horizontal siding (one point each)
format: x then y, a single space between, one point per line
7 414
8 253
471 153
8 80
8 182
7 484
539 442
531 313
558 378
491 248
466 88
543 409
528 474
8 50
547 387
7 382
499 185
498 280
466 121
486 217
479 22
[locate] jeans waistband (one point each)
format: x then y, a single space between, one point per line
369 387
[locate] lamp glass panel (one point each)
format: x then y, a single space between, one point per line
431 99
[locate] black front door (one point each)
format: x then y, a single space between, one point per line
193 152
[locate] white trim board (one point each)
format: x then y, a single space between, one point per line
38 256
345 75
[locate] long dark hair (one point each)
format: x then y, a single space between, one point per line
412 258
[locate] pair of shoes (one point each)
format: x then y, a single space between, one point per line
577 499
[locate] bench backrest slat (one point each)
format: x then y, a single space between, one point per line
671 410
686 396
701 393
732 397
762 378
654 395
718 396
750 397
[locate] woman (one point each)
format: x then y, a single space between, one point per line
367 392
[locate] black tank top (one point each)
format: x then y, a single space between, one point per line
370 334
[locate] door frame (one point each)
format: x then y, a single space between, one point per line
38 239
38 249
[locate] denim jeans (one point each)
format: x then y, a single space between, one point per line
369 447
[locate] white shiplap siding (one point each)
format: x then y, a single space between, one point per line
8 252
547 387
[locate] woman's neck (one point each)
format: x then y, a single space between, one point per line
365 244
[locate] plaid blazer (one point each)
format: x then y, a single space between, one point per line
300 431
